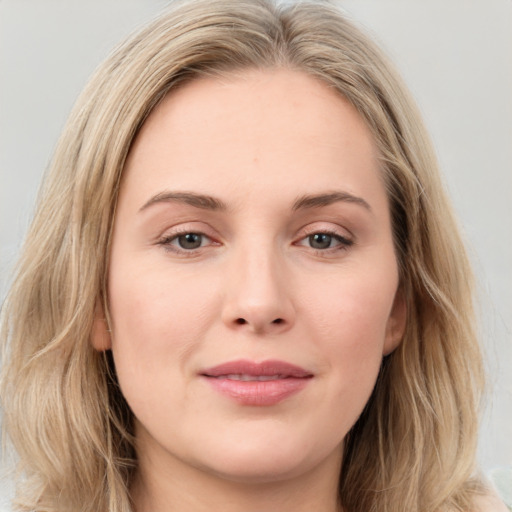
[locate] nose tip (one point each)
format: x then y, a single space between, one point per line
258 299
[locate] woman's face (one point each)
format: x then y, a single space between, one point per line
253 280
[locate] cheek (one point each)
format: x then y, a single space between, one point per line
158 320
349 323
149 298
351 311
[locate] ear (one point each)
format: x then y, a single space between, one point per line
397 320
100 334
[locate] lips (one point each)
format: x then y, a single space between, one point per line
257 384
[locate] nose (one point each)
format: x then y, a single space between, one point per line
258 298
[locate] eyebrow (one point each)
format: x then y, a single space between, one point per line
202 201
206 202
326 199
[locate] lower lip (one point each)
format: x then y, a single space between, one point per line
259 393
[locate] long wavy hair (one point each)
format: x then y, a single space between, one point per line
413 448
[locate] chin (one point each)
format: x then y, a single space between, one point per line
259 471
267 463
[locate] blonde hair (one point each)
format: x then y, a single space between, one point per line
413 447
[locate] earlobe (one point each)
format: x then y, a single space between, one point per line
100 333
396 323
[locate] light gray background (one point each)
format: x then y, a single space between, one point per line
456 56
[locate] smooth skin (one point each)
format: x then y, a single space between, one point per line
252 223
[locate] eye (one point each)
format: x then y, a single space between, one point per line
320 240
325 240
185 242
190 240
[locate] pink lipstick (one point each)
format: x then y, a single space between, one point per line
264 384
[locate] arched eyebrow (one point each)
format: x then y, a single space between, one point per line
202 201
207 202
328 198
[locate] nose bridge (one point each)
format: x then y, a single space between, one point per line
258 298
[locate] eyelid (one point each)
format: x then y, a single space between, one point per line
327 228
171 234
338 233
184 227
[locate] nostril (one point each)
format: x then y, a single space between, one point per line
243 321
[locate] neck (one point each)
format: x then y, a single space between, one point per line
185 488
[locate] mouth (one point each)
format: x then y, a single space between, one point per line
249 378
257 384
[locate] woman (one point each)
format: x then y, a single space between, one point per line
243 288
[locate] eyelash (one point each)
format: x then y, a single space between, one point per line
343 242
167 242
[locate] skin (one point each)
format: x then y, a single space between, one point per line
258 287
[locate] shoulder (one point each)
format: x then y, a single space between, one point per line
489 503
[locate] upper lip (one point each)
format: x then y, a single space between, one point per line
269 368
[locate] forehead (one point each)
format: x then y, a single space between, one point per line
258 129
